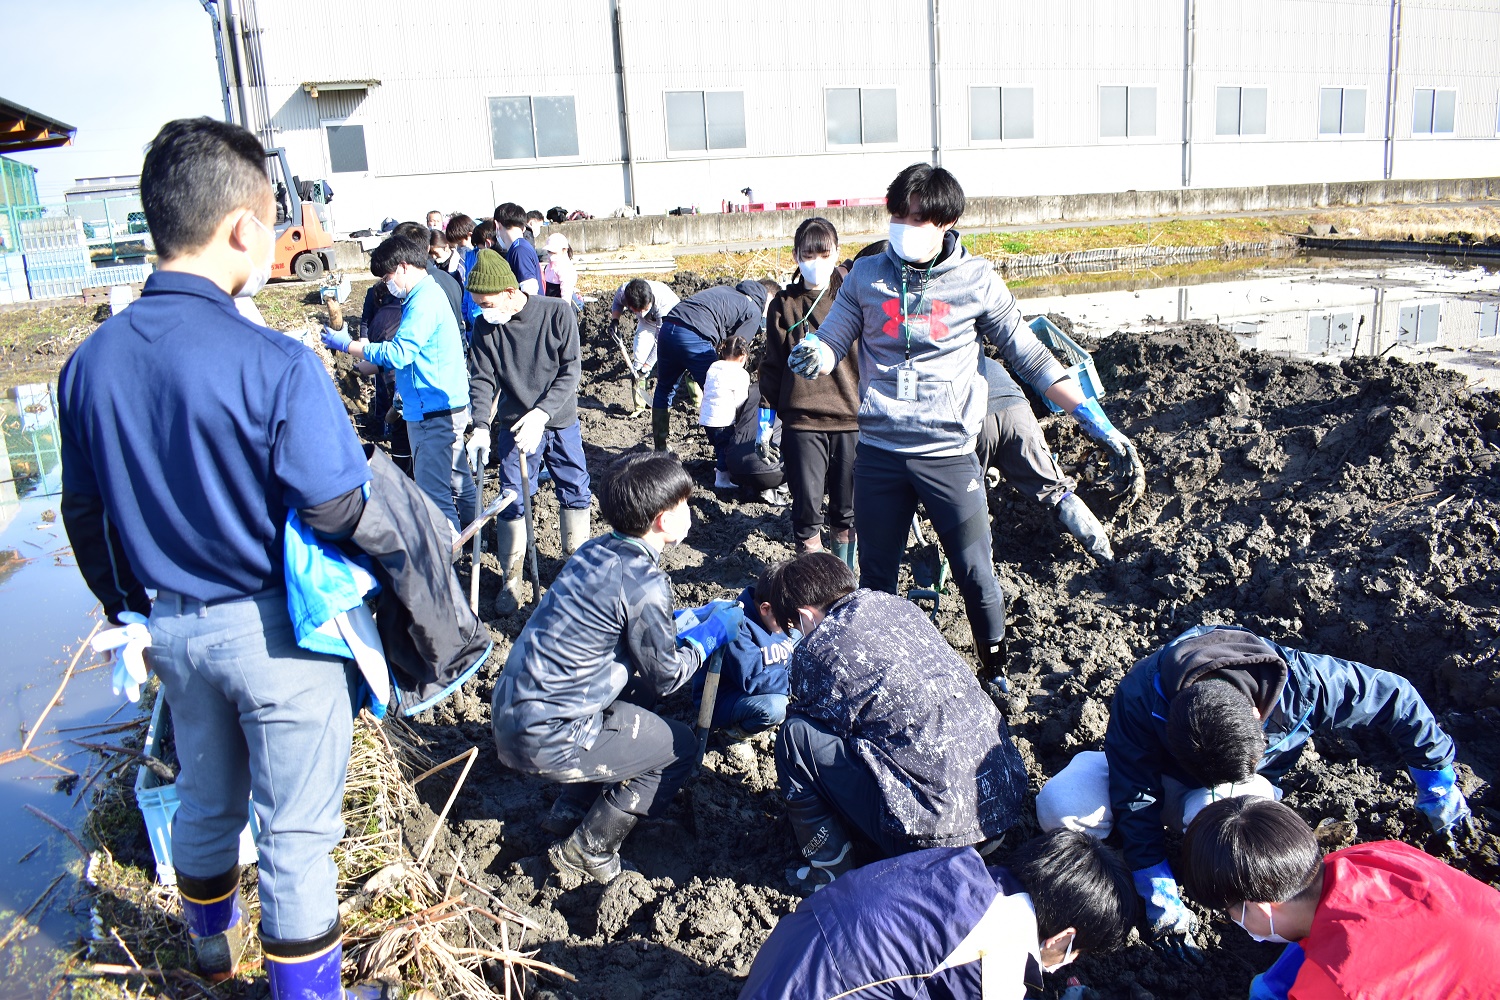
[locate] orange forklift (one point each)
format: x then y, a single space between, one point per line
304 249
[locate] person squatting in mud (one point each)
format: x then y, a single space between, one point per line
573 704
1219 711
918 312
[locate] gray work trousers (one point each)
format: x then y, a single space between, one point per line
440 466
257 719
1012 441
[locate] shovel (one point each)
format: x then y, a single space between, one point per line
536 573
715 666
637 397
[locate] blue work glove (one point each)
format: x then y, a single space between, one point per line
1124 463
765 448
719 629
1439 799
811 358
1172 923
1276 982
337 340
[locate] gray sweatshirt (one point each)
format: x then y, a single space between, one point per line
947 309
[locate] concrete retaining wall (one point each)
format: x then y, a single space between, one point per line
987 213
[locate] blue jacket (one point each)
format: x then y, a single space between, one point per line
427 353
907 919
1297 693
754 663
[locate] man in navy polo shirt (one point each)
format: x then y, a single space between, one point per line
520 254
187 433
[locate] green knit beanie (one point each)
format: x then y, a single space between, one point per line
490 274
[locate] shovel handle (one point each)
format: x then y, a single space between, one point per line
706 708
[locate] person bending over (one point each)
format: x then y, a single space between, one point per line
940 923
1220 711
1366 922
889 738
731 415
573 703
649 302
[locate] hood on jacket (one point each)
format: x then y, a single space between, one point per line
1234 655
757 292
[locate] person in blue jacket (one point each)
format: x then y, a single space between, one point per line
753 683
1216 708
942 923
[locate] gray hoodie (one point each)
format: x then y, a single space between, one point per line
947 308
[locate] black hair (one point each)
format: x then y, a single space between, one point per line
1214 733
938 192
772 287
437 238
638 294
765 583
459 228
535 216
484 232
877 247
417 231
1075 881
395 251
640 486
509 215
815 236
812 580
198 170
1249 849
732 347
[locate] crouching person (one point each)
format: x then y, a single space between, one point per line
1372 920
1219 712
939 923
889 738
561 709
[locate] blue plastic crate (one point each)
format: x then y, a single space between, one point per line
1080 362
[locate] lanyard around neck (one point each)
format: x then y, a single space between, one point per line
905 316
808 315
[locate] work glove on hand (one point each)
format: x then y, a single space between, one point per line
765 449
1276 982
125 646
811 358
1172 923
337 340
529 429
1124 463
718 630
478 448
1439 799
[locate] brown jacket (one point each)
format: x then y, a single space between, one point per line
826 404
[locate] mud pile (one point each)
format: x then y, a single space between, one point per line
1347 508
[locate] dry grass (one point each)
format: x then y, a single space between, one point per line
1395 223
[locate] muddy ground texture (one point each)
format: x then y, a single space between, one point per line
1349 508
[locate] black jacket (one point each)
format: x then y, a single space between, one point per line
1297 693
722 311
738 447
606 618
451 288
532 361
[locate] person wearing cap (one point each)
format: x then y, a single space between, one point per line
525 384
560 277
690 338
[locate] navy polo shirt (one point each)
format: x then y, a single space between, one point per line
199 429
524 262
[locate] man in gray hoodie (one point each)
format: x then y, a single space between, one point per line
917 312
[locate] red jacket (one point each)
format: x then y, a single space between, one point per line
1395 922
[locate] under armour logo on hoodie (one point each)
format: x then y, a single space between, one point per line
936 328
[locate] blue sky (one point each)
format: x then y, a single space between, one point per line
114 69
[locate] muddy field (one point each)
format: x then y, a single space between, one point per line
1349 508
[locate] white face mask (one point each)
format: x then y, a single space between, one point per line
1067 957
1263 938
497 315
505 238
917 244
393 288
816 272
259 273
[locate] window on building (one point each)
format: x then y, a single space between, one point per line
1432 111
701 120
859 115
528 128
1001 113
346 149
1127 111
1419 323
1241 111
1341 110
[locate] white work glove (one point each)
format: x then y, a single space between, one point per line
478 448
124 646
529 429
811 358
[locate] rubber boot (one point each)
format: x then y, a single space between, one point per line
844 547
564 816
575 529
812 544
1084 526
215 916
823 842
305 970
992 660
691 394
661 422
593 850
511 548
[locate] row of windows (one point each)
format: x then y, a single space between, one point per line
527 128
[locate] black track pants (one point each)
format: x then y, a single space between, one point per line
819 462
638 762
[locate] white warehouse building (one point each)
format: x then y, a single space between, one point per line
598 104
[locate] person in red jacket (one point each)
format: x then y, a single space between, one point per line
1372 920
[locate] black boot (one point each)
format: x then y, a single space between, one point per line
823 842
593 850
992 661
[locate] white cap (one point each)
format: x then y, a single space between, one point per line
555 243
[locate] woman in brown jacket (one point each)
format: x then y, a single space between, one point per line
819 429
